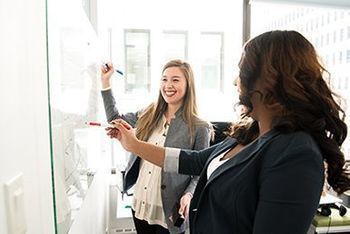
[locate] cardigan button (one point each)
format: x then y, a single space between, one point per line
163 186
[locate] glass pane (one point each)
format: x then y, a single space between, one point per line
176 37
212 64
137 62
175 46
143 38
329 31
78 150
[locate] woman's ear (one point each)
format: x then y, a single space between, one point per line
271 102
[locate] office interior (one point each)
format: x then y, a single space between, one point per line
58 175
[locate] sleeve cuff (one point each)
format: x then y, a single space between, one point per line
105 89
171 161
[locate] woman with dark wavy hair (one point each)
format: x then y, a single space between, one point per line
267 176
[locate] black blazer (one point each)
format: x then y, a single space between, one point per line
271 186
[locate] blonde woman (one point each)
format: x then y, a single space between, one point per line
171 121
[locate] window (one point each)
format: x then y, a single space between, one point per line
327 39
144 38
137 43
212 61
328 17
175 45
341 35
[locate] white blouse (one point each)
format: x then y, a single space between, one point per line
216 162
171 161
147 200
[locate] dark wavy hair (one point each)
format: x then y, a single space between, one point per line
288 66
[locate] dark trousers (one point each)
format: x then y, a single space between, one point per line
142 227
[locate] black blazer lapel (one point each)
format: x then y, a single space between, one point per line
221 147
229 142
243 155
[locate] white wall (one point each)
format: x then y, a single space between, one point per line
24 122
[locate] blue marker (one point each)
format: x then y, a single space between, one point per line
118 71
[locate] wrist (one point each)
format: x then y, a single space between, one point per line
105 84
136 146
189 194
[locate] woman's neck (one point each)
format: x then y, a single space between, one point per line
170 112
264 126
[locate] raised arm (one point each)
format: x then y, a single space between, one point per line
125 134
109 102
107 71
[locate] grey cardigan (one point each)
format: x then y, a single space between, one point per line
173 185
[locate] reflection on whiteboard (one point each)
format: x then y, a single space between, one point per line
72 58
124 206
76 148
74 99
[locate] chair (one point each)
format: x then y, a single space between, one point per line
219 131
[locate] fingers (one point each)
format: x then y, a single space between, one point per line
181 209
119 129
113 133
185 204
121 124
186 211
107 67
104 69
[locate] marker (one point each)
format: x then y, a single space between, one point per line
97 124
104 125
118 71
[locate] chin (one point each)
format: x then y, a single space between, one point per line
173 102
167 100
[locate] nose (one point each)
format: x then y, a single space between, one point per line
169 84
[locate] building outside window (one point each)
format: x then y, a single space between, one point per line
175 45
137 57
212 60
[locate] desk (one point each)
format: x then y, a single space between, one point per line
332 224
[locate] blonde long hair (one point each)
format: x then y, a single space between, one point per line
149 119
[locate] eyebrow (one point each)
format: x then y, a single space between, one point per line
172 76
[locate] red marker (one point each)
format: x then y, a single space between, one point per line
97 124
105 125
126 126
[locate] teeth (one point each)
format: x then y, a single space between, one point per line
169 93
